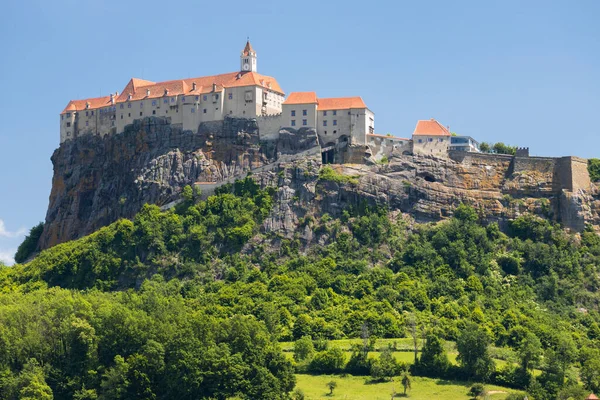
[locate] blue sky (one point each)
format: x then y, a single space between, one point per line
522 72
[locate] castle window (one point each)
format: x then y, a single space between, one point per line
62 117
304 122
153 102
334 132
112 123
348 112
324 113
68 133
141 113
303 112
293 113
420 140
86 113
182 99
129 115
204 97
172 99
324 123
335 121
334 112
121 106
87 123
430 139
204 111
230 96
197 98
68 124
68 115
142 104
326 132
193 110
128 105
293 122
153 112
121 116
441 139
166 101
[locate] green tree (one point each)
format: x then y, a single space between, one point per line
304 349
32 383
473 355
331 385
115 381
477 391
590 369
434 359
385 367
29 245
530 351
406 382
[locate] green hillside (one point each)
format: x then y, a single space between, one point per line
191 303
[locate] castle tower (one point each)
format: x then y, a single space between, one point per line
248 58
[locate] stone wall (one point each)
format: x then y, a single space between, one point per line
269 126
384 146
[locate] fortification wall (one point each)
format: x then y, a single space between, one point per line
269 126
384 146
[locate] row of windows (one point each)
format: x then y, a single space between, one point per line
431 140
304 122
334 122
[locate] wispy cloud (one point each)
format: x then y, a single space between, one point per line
8 234
7 256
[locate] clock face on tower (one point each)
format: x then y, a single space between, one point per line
246 67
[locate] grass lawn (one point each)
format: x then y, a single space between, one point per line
356 388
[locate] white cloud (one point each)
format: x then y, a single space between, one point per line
7 256
9 234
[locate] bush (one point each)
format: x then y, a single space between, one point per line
29 245
328 362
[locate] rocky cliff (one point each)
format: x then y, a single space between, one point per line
98 180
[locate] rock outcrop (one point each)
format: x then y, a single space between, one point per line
99 180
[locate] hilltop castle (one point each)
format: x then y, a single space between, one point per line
340 123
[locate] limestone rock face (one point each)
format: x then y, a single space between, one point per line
99 180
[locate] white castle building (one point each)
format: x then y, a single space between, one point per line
243 94
339 122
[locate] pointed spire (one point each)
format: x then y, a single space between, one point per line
248 50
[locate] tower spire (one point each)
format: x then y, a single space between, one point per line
248 58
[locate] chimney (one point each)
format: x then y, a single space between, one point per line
112 98
87 105
194 86
147 92
214 87
117 94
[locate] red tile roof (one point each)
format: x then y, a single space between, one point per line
138 88
592 396
248 49
301 98
341 103
78 105
430 128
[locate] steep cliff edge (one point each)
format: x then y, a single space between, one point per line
99 180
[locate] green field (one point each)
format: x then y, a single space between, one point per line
358 388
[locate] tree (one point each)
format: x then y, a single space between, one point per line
406 382
414 333
29 245
477 390
434 360
115 382
473 355
304 349
385 367
331 385
331 360
485 147
32 383
501 148
594 169
530 351
590 369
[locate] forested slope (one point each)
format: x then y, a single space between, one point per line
190 303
